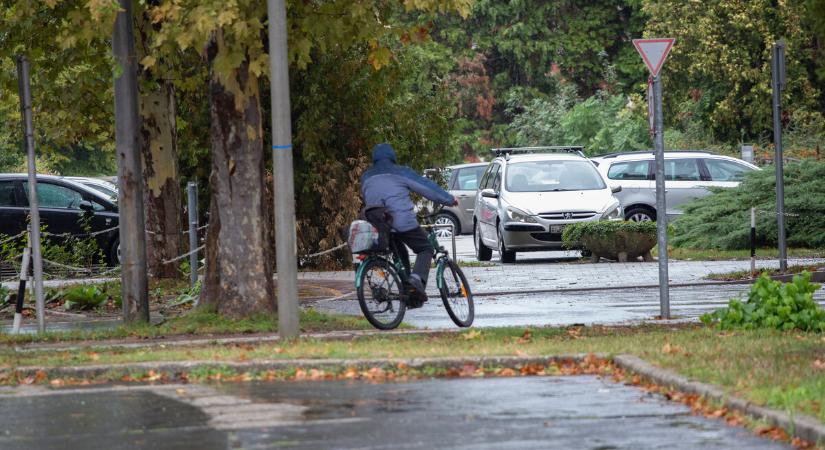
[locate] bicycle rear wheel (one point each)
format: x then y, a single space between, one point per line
380 294
456 294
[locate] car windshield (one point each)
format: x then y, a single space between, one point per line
549 176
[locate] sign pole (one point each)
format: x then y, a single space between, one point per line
661 201
34 211
654 53
778 82
285 239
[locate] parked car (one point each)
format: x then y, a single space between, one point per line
688 175
62 204
462 182
528 195
98 184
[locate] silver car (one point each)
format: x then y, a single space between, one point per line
688 174
462 182
527 196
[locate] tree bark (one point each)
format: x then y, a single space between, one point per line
161 185
239 277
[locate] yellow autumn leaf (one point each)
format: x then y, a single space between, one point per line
148 61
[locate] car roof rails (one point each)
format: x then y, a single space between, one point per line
643 152
507 151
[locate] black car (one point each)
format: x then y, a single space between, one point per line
63 205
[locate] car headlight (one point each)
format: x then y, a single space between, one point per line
614 212
517 215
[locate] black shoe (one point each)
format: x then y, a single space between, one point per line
417 284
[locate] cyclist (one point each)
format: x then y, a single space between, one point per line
388 185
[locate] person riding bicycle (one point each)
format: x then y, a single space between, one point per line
388 185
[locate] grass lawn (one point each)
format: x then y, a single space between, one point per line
746 274
198 322
781 370
690 254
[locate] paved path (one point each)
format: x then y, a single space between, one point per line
495 413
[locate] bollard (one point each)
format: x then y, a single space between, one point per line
192 202
753 241
21 291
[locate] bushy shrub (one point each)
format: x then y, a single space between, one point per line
722 220
772 304
83 297
572 234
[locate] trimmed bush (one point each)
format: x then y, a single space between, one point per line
614 240
573 233
722 221
772 304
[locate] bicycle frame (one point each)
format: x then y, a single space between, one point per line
440 256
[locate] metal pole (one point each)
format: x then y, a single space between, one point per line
753 241
21 289
192 202
134 282
455 255
34 211
778 82
661 203
286 246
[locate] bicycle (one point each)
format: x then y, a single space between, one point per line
384 294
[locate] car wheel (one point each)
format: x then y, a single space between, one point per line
507 256
446 219
483 253
640 215
114 253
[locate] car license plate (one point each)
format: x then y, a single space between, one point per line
556 229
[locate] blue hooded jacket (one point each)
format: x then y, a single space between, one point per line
388 184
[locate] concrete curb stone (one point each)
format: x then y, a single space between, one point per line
798 425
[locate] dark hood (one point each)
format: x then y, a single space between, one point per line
383 152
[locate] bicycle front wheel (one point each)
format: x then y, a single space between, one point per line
380 294
456 294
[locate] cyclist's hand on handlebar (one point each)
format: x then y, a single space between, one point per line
454 203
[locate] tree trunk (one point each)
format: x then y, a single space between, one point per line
239 277
161 186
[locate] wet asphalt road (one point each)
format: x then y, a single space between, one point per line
495 413
606 307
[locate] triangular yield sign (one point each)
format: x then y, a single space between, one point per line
654 52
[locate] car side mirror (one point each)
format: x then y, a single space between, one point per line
616 189
86 205
489 193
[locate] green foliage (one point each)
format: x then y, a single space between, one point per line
83 297
722 220
721 63
772 304
5 295
341 108
572 234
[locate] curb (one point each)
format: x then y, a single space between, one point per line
92 371
797 425
229 340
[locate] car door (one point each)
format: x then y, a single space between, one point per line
683 183
465 185
724 173
487 207
59 207
635 181
12 210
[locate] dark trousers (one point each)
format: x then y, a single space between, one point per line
417 240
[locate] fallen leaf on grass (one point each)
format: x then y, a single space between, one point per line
57 382
94 356
474 334
526 338
671 349
818 364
